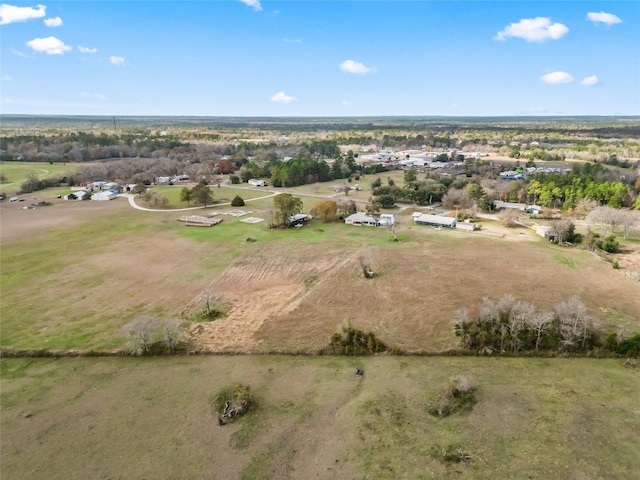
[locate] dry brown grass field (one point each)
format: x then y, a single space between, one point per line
74 273
132 418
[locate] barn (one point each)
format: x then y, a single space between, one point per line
104 196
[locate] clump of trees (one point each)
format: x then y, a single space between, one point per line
232 402
511 325
285 206
355 342
147 335
422 192
610 221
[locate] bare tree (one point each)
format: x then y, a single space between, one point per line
210 304
171 329
540 323
584 206
509 218
456 198
505 306
605 218
563 228
139 333
488 310
574 322
628 222
520 313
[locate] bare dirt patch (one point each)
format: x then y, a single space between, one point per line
18 222
269 283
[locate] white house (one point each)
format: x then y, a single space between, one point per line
500 205
361 218
435 220
96 186
257 183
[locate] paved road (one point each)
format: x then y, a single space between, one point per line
271 193
131 197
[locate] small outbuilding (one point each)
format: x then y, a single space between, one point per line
77 195
468 226
387 220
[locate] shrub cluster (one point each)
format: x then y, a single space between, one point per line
459 396
147 335
232 402
354 342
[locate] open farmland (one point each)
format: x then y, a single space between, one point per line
152 418
74 273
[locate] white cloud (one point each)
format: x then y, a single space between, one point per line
7 78
99 96
281 97
53 22
591 81
539 29
556 77
355 67
49 45
87 49
116 60
347 103
11 14
18 52
255 4
602 17
292 40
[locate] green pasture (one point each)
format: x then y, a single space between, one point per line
220 194
66 260
17 172
78 418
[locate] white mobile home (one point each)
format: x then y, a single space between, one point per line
435 220
257 183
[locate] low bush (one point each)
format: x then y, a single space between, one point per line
232 403
354 342
237 201
450 454
457 397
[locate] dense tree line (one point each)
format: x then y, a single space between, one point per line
87 146
511 325
565 191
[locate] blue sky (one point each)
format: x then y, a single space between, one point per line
320 58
